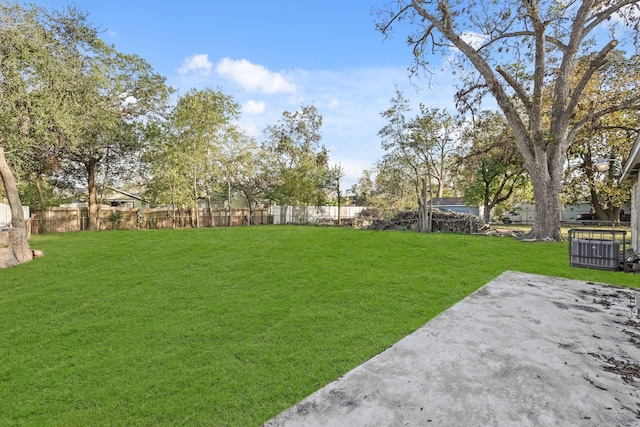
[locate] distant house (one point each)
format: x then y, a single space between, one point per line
236 203
455 204
125 199
630 176
114 197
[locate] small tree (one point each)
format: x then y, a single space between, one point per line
186 154
334 177
424 144
300 163
251 174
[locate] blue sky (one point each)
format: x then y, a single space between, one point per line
273 56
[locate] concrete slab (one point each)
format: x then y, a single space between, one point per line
523 350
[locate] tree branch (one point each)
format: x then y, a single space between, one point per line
444 26
385 28
517 87
553 40
604 15
535 109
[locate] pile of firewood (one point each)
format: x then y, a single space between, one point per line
440 221
456 222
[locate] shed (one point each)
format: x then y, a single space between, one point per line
630 176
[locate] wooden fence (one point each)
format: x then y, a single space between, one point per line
57 219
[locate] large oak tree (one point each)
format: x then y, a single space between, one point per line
526 55
38 68
119 94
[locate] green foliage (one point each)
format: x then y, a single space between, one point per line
119 94
186 150
300 165
115 218
418 156
610 137
180 327
333 185
72 105
38 68
491 169
249 171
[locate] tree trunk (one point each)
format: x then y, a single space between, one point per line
614 214
597 207
93 196
7 258
210 208
18 239
486 214
545 177
38 182
229 203
194 221
424 212
339 197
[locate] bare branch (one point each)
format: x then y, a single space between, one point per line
604 15
517 87
385 28
444 26
553 40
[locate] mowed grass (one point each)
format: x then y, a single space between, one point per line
226 326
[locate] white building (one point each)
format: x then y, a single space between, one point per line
5 214
630 176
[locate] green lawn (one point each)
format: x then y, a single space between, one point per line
226 327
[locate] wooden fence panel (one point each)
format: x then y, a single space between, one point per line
56 219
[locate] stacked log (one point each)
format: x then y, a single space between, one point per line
367 217
456 222
440 221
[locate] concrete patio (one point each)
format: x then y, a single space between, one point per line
523 350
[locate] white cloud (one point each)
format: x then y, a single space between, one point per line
333 103
129 101
350 102
253 77
474 39
250 129
198 64
254 107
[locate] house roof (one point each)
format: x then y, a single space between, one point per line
448 201
126 193
630 172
